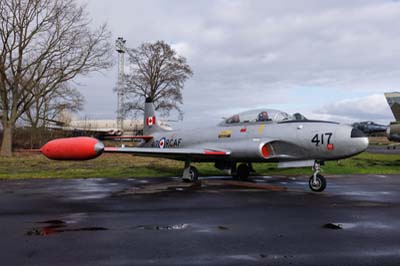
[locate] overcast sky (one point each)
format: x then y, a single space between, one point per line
327 59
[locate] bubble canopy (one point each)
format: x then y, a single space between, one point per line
259 116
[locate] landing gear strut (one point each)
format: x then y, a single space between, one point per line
317 182
190 173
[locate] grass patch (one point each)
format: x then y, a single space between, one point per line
122 166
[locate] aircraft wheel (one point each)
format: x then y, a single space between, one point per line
319 185
243 171
194 175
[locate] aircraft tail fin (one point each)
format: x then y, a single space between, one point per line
150 123
393 99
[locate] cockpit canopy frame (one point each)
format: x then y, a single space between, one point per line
262 115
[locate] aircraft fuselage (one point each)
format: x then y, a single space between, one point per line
291 140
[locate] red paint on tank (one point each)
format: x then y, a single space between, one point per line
79 148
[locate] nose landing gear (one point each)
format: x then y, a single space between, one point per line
317 181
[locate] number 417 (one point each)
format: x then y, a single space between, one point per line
320 138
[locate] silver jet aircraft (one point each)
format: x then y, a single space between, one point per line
263 135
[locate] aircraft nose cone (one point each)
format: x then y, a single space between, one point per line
359 141
364 143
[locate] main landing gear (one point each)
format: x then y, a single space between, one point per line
190 173
243 172
317 182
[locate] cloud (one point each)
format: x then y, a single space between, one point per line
302 55
372 107
183 49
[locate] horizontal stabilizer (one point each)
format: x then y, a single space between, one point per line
128 137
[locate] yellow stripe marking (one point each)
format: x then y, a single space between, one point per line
261 129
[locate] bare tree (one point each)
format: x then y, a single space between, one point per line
158 74
47 110
45 43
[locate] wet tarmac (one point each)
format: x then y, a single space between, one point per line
270 221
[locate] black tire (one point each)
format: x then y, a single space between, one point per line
321 183
243 172
194 174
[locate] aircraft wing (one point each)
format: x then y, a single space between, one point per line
179 154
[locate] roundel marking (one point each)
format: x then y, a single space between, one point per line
162 143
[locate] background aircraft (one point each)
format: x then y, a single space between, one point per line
101 128
263 135
369 127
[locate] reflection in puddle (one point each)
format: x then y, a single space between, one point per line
334 226
375 194
84 189
163 227
369 225
267 177
59 226
243 257
53 222
194 227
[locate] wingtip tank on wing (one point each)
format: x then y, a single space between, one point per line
79 148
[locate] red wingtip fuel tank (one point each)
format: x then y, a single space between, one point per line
79 148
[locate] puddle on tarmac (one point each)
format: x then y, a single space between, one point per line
59 226
369 225
243 257
207 185
376 196
184 226
163 227
52 222
221 227
366 193
334 226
